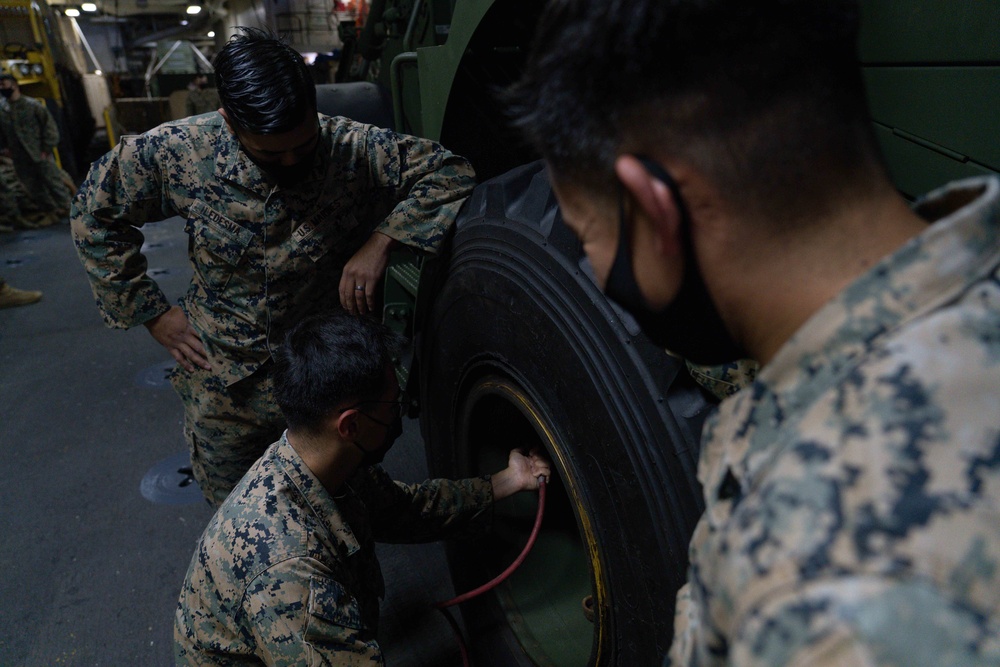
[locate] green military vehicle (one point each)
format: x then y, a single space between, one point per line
514 345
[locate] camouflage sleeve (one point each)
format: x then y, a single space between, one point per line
853 620
428 182
860 620
301 615
685 630
433 510
50 131
122 191
844 560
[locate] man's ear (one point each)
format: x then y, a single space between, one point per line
656 203
225 117
347 424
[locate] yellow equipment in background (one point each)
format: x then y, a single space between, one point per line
34 49
26 49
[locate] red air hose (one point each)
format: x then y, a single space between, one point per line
499 579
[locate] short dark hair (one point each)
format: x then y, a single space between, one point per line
764 96
263 83
7 77
328 359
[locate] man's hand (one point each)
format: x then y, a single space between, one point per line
521 474
363 274
172 331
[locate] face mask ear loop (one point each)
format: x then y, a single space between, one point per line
364 452
664 177
623 239
621 285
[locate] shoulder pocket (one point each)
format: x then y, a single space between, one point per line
329 601
217 244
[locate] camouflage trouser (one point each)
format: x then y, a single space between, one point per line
10 209
226 428
43 181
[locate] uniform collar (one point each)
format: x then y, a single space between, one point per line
323 505
233 165
960 246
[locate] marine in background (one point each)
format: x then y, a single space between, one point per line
28 136
201 98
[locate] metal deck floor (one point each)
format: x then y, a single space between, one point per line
89 568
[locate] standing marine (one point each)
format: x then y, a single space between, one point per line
29 135
201 99
288 212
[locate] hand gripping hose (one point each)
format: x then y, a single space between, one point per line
499 579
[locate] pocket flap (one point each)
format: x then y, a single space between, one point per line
331 602
217 234
325 231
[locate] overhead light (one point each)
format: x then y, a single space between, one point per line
88 7
184 22
211 33
72 12
193 9
98 72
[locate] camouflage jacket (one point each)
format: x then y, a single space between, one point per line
285 574
724 380
852 491
263 256
26 126
202 100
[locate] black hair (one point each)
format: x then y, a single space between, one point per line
263 83
764 96
328 359
8 77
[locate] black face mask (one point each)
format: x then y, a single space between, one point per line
689 326
286 176
6 92
392 433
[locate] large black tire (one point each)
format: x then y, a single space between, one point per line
520 346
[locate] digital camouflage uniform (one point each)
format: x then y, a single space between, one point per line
10 207
263 256
27 129
285 574
202 100
16 207
724 380
852 492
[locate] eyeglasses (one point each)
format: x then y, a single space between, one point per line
402 404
